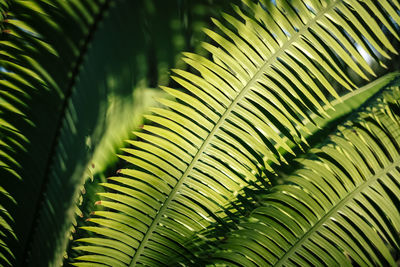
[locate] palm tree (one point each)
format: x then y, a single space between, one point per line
260 156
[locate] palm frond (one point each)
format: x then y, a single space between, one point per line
41 51
340 206
9 138
205 242
157 32
69 79
238 114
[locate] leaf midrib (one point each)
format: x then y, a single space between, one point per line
222 119
75 70
335 208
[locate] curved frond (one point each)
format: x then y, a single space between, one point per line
340 207
273 66
115 78
67 89
41 51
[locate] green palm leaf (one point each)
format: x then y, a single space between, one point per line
206 241
67 101
9 138
236 116
340 206
41 51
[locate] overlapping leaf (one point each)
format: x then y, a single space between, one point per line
61 103
273 66
340 206
150 35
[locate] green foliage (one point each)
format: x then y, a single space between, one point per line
235 117
35 69
340 205
64 81
271 81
